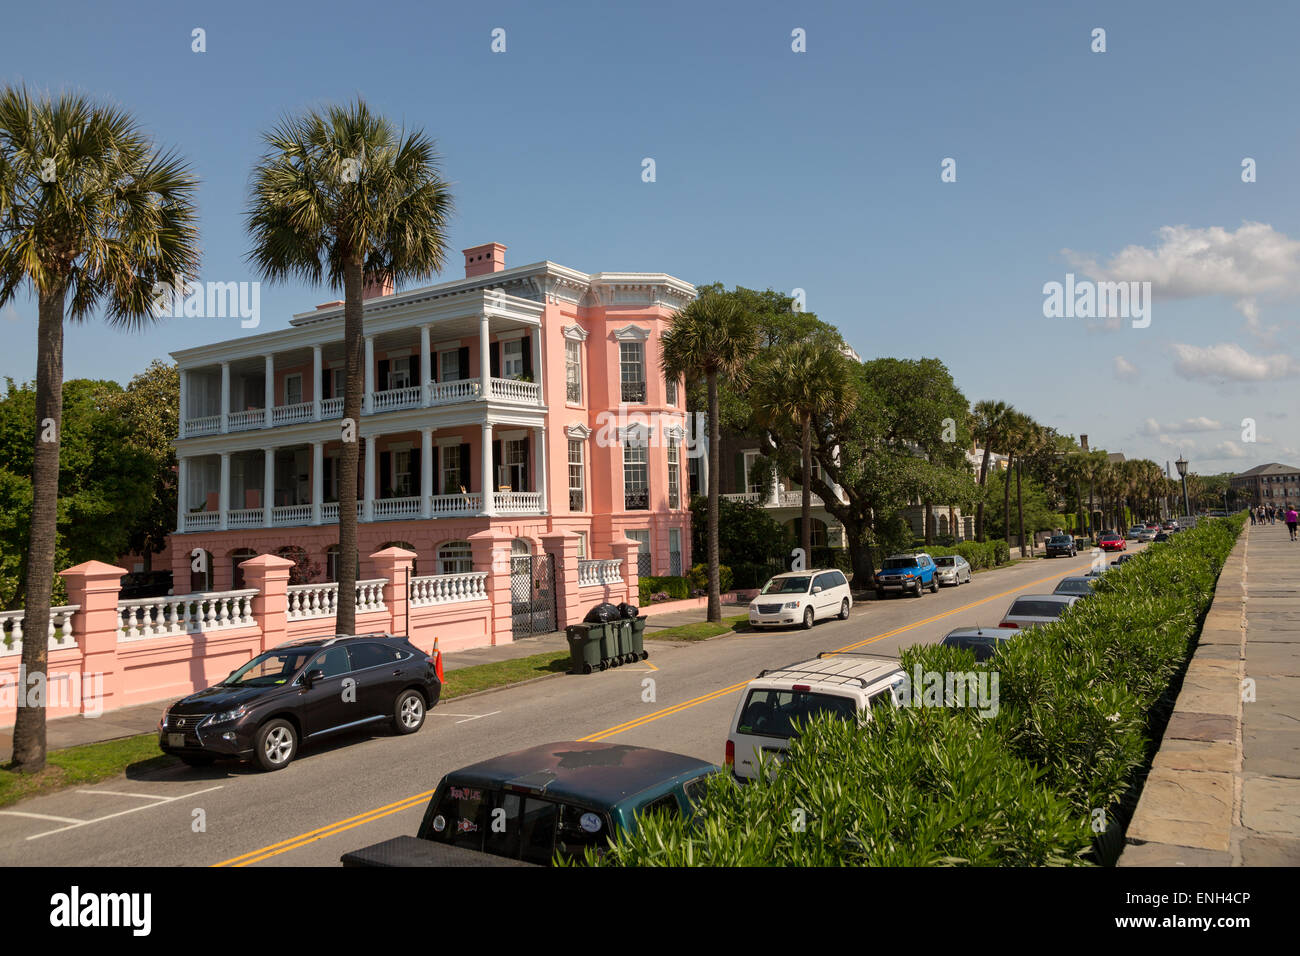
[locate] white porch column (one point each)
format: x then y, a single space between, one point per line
540 465
484 362
317 476
184 405
182 492
223 491
426 469
268 484
315 383
372 474
370 375
426 365
489 478
539 360
225 396
270 387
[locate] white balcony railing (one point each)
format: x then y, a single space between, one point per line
794 499
601 571
470 503
245 518
388 509
291 414
517 502
331 407
393 398
242 421
448 588
750 496
512 390
207 425
321 600
329 511
184 614
203 521
444 393
290 514
58 635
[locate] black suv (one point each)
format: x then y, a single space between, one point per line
302 690
1061 544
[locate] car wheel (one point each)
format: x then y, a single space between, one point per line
844 610
276 744
934 585
408 712
920 589
808 619
197 760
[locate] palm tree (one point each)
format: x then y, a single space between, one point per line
91 216
799 382
988 425
712 338
1031 439
342 195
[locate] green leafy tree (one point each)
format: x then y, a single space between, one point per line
92 217
341 195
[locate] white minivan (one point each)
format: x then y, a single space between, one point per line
802 597
845 684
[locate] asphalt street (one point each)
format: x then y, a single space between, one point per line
359 789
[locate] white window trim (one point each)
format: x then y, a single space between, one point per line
576 333
632 333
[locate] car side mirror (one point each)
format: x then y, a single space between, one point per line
313 676
817 590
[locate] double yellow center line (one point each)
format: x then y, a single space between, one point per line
293 843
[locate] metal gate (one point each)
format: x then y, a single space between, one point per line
532 594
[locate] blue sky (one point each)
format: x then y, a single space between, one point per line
817 170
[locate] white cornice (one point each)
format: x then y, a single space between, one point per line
631 333
578 431
575 332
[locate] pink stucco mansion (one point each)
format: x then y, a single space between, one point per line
527 400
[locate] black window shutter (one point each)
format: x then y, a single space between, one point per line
528 355
385 472
381 382
416 456
415 369
464 469
528 447
435 480
325 381
433 366
494 359
496 464
462 362
740 485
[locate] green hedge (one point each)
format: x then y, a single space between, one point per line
699 578
980 555
675 586
1081 702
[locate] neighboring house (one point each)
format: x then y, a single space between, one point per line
1272 484
527 400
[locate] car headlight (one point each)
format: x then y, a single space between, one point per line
792 605
229 715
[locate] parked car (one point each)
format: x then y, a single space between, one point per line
1111 542
1080 585
901 573
1147 534
952 569
984 642
1061 545
294 693
844 684
802 597
1034 609
1134 531
1122 558
1163 536
552 799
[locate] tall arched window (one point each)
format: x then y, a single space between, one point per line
406 546
201 579
455 557
237 557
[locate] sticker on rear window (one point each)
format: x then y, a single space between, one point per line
590 822
464 793
439 823
466 826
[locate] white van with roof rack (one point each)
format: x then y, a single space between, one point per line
842 683
802 598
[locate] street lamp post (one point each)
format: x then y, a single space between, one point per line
1181 465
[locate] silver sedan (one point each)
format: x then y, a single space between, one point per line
953 569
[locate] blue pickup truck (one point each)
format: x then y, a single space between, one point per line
906 574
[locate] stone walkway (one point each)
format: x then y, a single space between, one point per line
1224 788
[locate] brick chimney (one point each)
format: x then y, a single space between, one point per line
480 260
377 285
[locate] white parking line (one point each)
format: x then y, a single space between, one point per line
467 717
157 801
37 816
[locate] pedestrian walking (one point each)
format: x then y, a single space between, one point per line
1291 518
1252 516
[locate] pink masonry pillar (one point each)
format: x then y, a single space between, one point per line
491 550
95 586
562 546
269 573
394 565
625 550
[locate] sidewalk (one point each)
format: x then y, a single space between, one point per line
143 719
1224 789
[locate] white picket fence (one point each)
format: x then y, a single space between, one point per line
140 618
321 600
448 588
58 635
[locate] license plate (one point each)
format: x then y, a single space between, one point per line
175 740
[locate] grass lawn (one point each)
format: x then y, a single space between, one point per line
87 764
468 680
699 631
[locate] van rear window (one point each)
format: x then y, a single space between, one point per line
773 713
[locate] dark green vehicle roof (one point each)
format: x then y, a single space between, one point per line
595 774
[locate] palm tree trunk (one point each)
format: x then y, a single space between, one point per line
805 504
979 505
715 439
929 524
1020 507
29 722
1006 499
952 523
355 357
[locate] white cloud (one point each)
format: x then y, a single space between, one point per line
1124 369
1229 449
1227 360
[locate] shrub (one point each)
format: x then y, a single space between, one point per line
699 578
673 586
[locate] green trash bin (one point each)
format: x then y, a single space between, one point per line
638 638
610 640
625 653
584 647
